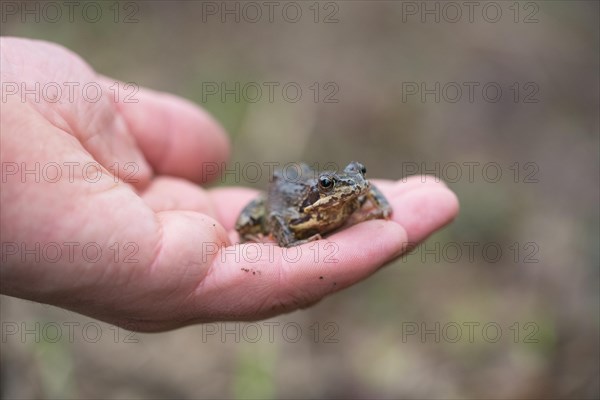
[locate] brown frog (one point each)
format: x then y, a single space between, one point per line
299 208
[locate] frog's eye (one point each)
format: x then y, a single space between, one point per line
325 182
363 169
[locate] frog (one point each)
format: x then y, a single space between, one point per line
304 206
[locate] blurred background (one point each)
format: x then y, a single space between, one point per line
500 100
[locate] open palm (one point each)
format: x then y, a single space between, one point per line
138 242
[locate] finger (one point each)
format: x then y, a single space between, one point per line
166 193
259 280
423 209
254 281
87 114
229 202
407 184
177 137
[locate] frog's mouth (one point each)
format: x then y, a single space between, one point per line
338 197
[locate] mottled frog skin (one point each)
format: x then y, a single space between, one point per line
300 208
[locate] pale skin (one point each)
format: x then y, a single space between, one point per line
189 268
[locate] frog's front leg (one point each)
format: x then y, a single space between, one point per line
284 235
280 230
251 223
382 209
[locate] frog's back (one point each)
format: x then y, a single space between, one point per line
288 189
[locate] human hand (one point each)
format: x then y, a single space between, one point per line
167 256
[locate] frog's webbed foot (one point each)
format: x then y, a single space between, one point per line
251 222
382 208
307 240
258 238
